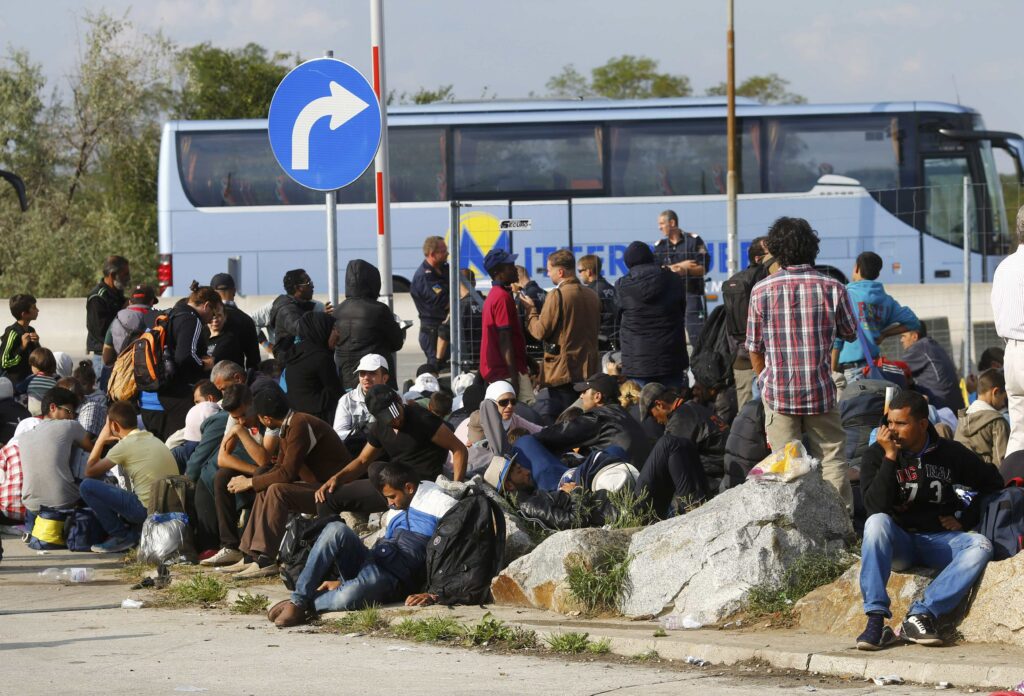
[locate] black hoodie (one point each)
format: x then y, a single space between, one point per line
364 324
652 312
310 373
284 320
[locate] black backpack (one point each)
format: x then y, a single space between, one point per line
299 536
736 299
712 358
467 550
1002 522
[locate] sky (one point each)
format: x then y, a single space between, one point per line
830 51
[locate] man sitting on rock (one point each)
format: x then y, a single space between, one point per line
392 569
917 518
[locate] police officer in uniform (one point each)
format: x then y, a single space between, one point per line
429 291
685 253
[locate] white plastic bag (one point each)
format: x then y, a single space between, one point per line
166 538
785 465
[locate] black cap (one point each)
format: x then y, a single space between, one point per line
383 402
651 392
606 384
637 253
497 256
222 281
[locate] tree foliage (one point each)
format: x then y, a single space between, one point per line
221 84
767 89
625 77
88 158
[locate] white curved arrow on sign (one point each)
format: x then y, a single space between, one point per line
341 106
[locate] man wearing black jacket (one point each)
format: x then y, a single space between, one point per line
916 518
736 297
288 309
237 322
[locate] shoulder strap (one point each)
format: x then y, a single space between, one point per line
873 371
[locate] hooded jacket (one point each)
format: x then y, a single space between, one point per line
312 378
983 430
364 324
652 311
917 490
876 311
934 374
284 321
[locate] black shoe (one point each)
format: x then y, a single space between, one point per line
920 629
876 635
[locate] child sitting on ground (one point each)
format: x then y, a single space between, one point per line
44 378
207 398
981 426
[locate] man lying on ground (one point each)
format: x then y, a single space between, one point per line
394 568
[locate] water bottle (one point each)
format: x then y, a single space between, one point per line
76 575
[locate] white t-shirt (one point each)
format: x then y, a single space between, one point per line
195 417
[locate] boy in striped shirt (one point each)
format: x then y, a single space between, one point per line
20 339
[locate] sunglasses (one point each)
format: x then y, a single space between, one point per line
506 402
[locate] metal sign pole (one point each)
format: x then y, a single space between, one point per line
331 203
455 315
732 234
383 185
967 359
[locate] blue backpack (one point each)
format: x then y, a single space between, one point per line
1002 522
84 530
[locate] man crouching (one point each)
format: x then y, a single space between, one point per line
392 569
917 518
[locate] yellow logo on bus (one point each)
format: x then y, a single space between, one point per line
479 234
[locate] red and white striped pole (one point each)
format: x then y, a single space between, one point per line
381 166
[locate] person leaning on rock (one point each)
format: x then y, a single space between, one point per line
916 518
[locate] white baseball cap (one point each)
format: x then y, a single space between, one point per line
371 362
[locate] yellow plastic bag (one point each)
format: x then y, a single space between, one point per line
789 463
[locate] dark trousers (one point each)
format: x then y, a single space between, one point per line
553 400
218 511
428 342
155 422
671 474
175 409
695 315
359 496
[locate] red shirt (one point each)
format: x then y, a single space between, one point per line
500 315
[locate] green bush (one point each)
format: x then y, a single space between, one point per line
598 588
812 570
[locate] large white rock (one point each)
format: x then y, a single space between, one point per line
539 579
996 614
702 565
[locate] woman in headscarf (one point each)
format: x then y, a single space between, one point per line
502 396
310 373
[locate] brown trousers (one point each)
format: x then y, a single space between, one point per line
263 532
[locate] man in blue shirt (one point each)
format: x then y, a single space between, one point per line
685 254
880 316
429 291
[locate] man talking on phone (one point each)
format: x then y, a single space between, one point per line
916 518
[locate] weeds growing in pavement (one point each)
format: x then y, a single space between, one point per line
576 643
200 588
368 620
647 656
250 604
599 587
812 570
430 630
632 509
488 630
133 570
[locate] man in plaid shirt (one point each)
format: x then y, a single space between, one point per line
12 510
793 320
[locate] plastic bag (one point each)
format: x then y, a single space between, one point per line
167 538
792 462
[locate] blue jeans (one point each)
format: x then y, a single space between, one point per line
364 583
961 556
120 512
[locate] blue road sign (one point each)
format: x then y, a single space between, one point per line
324 124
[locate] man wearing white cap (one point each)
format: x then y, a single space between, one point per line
352 417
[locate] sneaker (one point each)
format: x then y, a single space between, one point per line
224 557
920 629
876 634
291 615
255 571
113 545
236 567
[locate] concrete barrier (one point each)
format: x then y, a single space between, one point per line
61 322
61 326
